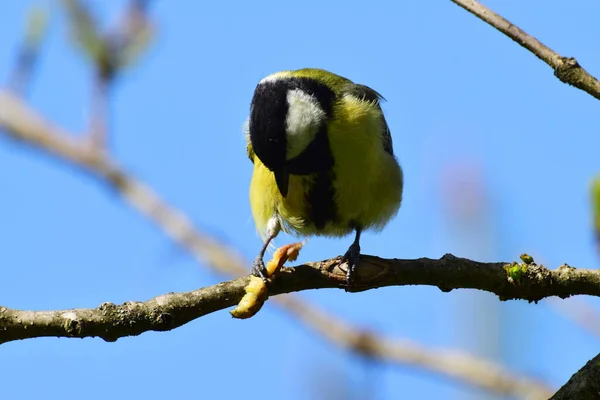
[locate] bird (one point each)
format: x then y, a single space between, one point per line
324 163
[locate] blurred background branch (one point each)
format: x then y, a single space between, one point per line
108 53
35 30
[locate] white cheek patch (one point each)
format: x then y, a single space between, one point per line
304 117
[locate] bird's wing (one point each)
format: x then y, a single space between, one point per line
365 93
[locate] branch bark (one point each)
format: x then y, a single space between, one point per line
111 322
584 384
567 69
170 311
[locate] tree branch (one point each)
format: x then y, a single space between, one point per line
172 310
447 273
567 69
111 322
584 384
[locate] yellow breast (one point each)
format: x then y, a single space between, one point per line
367 181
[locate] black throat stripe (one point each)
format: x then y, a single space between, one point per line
317 159
321 199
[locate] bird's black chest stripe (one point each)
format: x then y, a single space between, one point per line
317 159
321 199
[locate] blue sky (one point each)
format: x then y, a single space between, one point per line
475 118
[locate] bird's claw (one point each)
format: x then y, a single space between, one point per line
351 256
259 270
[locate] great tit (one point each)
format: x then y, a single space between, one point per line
323 160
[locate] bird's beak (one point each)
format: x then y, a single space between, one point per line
282 178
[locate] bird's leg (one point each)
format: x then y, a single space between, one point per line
352 256
258 266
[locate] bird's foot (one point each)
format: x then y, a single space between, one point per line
351 256
259 270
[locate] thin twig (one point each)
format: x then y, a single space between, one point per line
23 124
98 131
119 43
567 69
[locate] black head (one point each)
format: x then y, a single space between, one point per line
270 118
